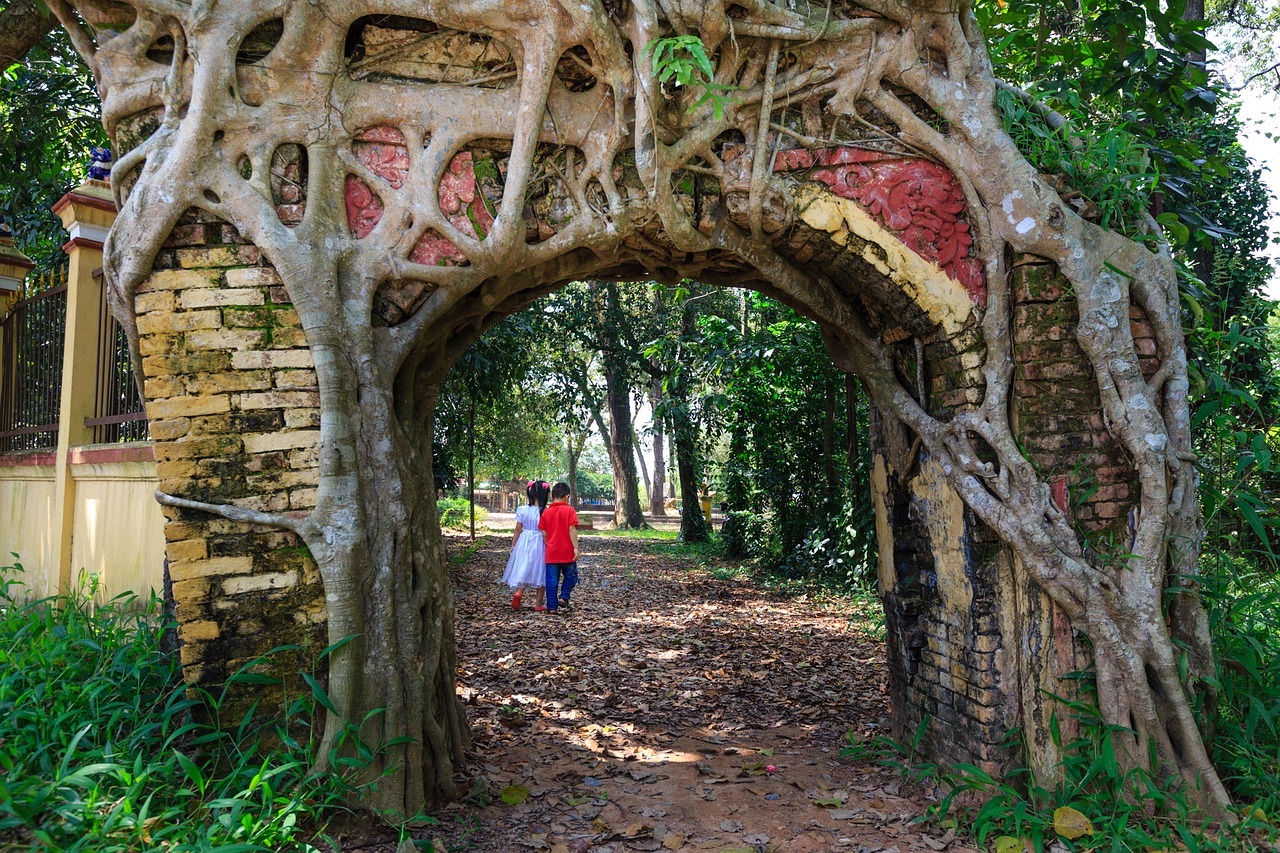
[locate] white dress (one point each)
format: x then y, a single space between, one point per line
527 564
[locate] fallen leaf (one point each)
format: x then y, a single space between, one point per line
673 840
829 802
1009 844
514 795
1071 823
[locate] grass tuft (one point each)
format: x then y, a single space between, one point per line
104 748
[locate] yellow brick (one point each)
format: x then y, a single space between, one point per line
267 359
280 400
197 631
268 441
187 549
226 339
198 448
193 570
174 475
164 386
176 531
288 339
294 378
170 428
187 406
158 344
252 277
159 300
303 498
302 419
180 280
217 297
183 321
219 256
237 380
276 580
188 592
277 502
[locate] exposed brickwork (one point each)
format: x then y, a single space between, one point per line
1057 413
232 397
971 658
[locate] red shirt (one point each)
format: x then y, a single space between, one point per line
555 523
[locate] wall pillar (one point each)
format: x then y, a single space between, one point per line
87 212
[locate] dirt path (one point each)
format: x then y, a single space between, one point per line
669 710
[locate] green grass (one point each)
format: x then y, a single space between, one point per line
651 534
104 748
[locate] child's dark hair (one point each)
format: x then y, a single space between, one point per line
537 490
560 490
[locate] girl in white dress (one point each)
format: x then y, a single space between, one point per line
526 567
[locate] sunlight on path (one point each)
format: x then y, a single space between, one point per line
671 710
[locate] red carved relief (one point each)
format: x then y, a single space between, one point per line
383 151
921 202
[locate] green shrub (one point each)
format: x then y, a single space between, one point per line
744 534
103 747
456 513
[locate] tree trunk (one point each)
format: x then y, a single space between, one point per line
658 494
471 464
626 511
693 525
571 460
644 472
852 448
829 441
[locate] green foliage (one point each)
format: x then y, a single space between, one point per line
456 513
683 60
1128 810
769 384
48 122
103 747
1111 169
1243 606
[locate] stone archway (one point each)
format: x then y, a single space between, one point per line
323 205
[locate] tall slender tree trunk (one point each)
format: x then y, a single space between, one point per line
829 440
471 464
684 436
658 494
644 471
626 490
852 448
571 462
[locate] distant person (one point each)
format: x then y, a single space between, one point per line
559 526
527 565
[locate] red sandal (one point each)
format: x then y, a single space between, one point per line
515 600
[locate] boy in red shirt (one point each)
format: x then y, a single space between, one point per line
559 526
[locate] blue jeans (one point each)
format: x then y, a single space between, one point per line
555 573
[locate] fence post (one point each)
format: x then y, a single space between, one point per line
87 212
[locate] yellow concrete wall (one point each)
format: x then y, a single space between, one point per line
118 533
26 524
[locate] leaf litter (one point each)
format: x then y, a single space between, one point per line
668 709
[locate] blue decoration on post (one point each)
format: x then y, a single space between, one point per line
99 164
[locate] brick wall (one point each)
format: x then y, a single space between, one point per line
234 411
973 645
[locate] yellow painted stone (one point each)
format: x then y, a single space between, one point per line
944 300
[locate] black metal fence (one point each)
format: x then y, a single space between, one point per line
118 413
31 341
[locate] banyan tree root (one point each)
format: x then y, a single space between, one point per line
589 160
